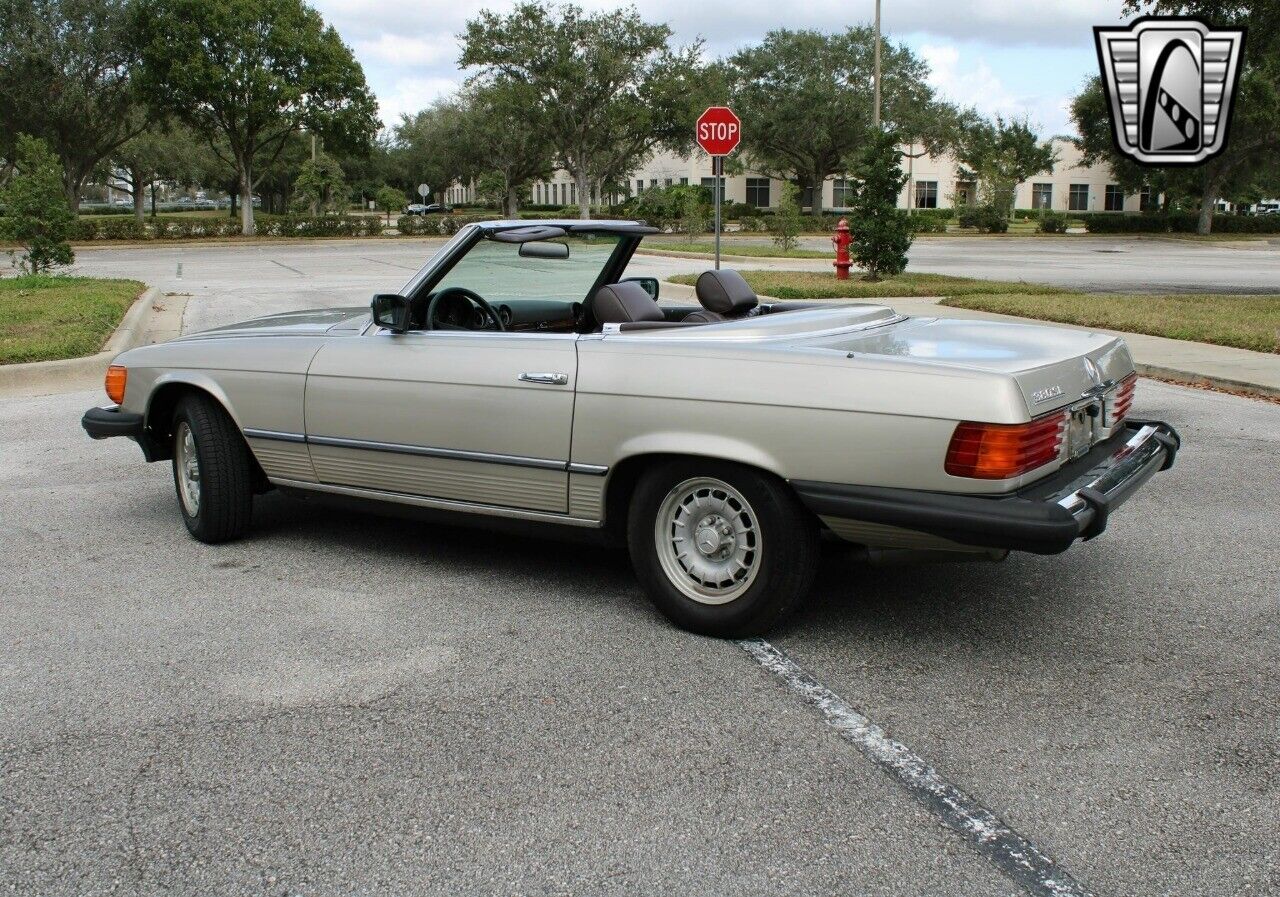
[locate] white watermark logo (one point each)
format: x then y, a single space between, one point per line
1170 83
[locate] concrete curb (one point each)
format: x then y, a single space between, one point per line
37 377
1226 384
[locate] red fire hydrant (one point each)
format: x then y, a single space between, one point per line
842 241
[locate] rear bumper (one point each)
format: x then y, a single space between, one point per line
1044 518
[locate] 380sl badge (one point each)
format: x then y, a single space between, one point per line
1040 396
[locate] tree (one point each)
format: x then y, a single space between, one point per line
39 218
436 146
1001 154
805 99
320 186
508 135
169 154
785 222
1251 159
606 85
67 76
249 74
388 199
881 231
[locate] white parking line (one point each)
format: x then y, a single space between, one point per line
1013 854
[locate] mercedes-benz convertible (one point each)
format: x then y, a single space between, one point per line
521 374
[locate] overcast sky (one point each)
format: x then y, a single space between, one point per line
1014 57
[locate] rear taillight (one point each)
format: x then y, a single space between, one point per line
1003 451
1122 401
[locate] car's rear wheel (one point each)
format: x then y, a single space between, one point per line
722 549
212 471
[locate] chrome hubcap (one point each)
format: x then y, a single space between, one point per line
708 540
187 464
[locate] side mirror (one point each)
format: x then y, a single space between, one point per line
535 249
391 312
650 285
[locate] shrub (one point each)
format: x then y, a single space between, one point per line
930 221
432 225
986 218
786 222
881 231
39 219
1052 222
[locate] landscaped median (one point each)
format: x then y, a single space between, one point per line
45 318
1244 322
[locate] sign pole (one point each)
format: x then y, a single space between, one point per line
717 171
718 132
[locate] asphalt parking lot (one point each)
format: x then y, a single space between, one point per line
347 704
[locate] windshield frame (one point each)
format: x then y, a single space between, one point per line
438 267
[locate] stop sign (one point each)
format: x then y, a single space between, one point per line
718 131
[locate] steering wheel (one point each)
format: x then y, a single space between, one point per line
471 296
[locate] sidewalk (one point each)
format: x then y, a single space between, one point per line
1237 370
153 318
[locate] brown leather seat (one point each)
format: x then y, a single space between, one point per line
624 303
723 295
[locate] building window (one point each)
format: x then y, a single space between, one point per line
653 182
667 182
710 184
1042 196
842 193
926 194
1147 200
758 192
684 182
1114 199
1078 198
639 186
966 193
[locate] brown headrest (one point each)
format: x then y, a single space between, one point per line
623 303
725 292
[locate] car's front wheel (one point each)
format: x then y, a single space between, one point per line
212 471
722 549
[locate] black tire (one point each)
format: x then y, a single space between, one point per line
226 471
787 559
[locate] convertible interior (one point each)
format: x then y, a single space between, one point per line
723 295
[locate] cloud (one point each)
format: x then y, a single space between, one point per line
409 52
409 48
974 83
407 96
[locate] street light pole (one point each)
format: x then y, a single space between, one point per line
877 75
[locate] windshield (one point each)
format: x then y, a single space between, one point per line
499 273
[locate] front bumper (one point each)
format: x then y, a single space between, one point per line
1044 518
103 423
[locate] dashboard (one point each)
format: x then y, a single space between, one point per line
518 315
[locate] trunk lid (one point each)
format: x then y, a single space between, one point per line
1053 366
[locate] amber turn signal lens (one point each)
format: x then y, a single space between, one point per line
1003 451
116 377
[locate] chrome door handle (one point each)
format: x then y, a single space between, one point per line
551 379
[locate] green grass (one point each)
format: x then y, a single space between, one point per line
44 318
1245 322
758 249
820 285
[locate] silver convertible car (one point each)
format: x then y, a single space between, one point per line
521 375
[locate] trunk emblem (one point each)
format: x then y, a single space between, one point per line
1040 396
1095 374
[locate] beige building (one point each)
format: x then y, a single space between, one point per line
933 182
